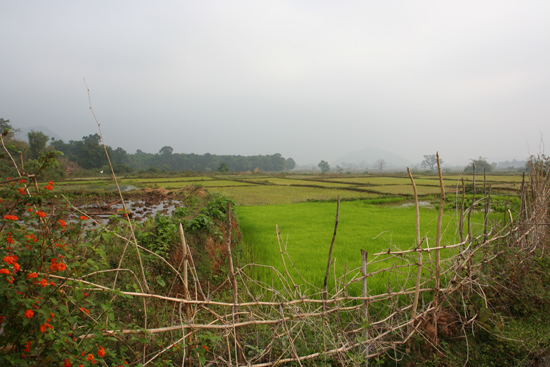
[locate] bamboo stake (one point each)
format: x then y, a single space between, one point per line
437 245
121 199
238 352
19 173
184 256
461 223
417 246
473 201
486 217
185 286
21 159
364 256
331 246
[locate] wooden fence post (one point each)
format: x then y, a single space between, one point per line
186 294
364 256
238 351
419 259
438 245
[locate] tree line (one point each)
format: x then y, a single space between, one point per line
89 154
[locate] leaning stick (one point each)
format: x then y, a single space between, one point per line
331 246
121 198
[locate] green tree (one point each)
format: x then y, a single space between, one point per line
223 168
166 150
118 156
6 129
324 166
91 153
37 143
480 165
13 146
290 164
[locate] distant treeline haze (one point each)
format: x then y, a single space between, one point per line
88 153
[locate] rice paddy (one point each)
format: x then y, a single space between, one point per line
303 207
307 228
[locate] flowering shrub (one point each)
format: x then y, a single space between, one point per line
47 316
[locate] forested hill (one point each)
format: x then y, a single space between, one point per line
89 154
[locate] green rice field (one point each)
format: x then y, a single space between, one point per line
307 228
375 214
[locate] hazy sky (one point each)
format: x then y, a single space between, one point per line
310 79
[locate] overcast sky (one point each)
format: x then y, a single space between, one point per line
310 79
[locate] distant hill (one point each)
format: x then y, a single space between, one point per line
366 159
25 130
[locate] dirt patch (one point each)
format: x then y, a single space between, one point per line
159 191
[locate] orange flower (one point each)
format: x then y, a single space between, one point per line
67 363
90 357
4 271
43 282
205 348
41 214
101 351
29 314
82 217
52 315
55 266
22 181
16 267
48 187
22 191
84 310
29 210
32 275
44 327
11 259
50 183
10 217
62 223
10 280
9 239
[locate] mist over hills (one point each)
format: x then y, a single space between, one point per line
367 159
362 160
22 135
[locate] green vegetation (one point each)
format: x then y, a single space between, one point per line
306 230
64 281
89 154
269 195
84 272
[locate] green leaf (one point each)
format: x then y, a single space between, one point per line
161 282
106 236
484 314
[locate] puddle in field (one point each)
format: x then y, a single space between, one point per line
139 210
422 204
